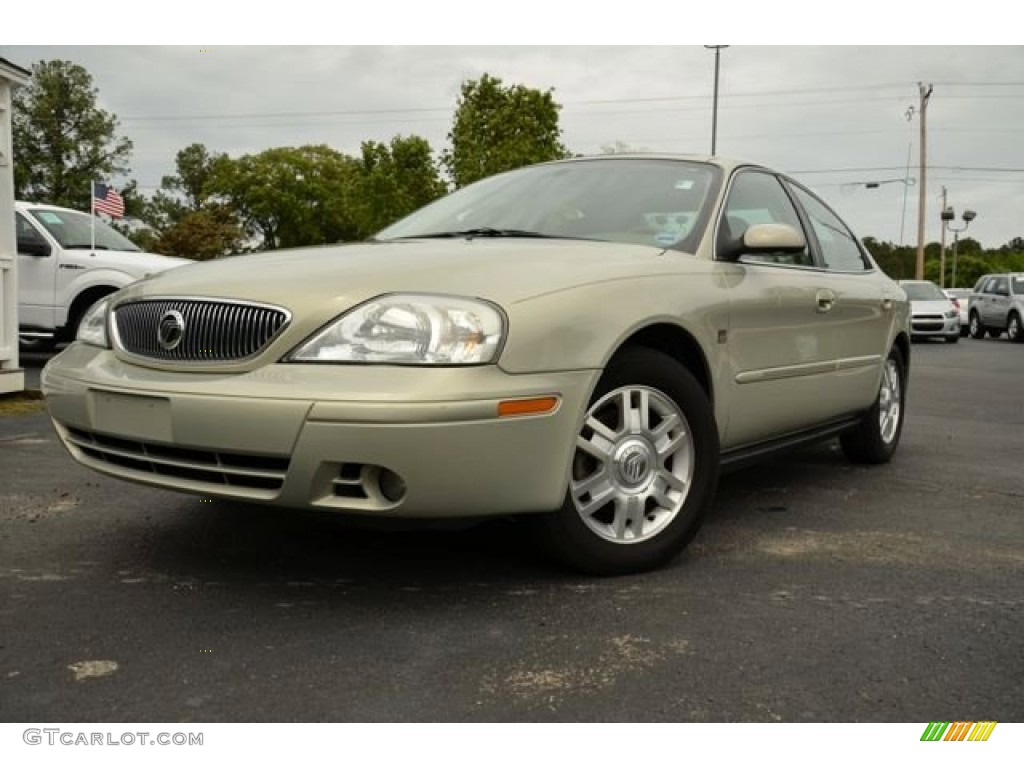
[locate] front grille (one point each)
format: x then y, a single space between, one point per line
196 330
215 468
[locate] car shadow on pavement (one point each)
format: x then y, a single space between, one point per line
221 541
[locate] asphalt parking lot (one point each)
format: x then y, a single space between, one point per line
817 591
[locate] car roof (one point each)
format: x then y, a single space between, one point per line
21 205
728 164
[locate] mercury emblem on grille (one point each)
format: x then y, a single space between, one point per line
171 329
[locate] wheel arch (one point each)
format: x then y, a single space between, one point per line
902 343
677 343
81 303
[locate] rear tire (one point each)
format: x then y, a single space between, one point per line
644 471
874 440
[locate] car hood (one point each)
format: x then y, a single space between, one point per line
930 306
335 278
135 263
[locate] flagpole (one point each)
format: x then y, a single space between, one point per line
92 208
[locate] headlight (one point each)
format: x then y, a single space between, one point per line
953 313
93 327
410 329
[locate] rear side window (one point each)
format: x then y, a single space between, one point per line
839 247
1017 285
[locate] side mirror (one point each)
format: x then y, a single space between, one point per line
765 239
34 248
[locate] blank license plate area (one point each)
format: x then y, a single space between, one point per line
144 418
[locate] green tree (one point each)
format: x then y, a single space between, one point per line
62 140
185 191
289 196
393 181
203 234
498 128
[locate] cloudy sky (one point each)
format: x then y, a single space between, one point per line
835 117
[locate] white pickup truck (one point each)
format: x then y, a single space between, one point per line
61 274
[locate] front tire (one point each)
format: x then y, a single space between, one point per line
644 471
977 329
874 440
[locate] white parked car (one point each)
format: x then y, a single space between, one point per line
61 274
961 298
932 313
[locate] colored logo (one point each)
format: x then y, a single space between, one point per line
959 731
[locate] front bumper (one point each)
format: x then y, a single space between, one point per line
934 325
323 436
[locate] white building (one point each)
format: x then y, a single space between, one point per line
12 378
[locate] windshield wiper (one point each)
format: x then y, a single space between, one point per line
85 246
482 232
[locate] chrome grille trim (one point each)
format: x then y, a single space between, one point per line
261 474
216 330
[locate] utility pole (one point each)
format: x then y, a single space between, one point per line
942 250
926 94
714 108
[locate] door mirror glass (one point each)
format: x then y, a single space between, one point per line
32 247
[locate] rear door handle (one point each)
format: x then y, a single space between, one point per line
825 300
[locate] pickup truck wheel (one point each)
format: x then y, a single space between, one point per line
1013 329
644 470
874 440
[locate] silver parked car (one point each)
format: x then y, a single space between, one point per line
997 305
583 342
961 298
932 313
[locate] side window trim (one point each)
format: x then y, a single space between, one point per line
816 263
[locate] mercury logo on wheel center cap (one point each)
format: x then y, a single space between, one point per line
633 463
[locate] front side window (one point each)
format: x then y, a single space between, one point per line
758 198
839 247
27 234
662 203
74 230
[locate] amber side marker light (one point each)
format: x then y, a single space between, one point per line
529 407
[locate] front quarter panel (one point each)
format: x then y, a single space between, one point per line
582 327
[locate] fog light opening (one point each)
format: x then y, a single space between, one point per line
392 487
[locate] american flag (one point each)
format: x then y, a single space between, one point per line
107 200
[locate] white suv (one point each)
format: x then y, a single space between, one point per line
61 274
997 305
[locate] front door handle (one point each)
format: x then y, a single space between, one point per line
825 300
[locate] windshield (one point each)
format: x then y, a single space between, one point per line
924 292
662 203
74 230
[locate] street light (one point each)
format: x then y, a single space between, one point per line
714 108
949 215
